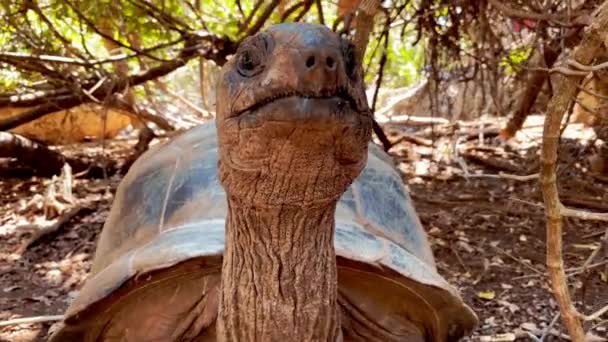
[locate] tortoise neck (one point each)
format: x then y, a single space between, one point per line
279 277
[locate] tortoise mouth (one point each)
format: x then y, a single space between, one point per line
340 93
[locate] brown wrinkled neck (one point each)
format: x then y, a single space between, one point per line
279 280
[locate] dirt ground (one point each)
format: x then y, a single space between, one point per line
487 231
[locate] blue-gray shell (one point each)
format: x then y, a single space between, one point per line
170 207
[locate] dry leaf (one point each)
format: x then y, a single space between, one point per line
529 326
498 338
512 307
487 295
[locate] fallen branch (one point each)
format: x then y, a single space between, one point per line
579 202
600 178
521 262
565 89
487 133
502 175
43 160
414 121
40 232
596 314
413 139
582 214
490 162
31 320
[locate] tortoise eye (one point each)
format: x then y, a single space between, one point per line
251 55
248 63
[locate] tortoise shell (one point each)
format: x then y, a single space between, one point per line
171 208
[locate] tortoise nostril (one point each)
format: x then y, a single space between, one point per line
310 61
330 63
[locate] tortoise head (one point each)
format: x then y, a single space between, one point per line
292 117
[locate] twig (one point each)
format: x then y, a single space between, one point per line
84 62
247 21
552 332
525 14
528 266
466 269
40 232
549 327
569 271
587 68
593 93
578 270
413 139
596 314
31 320
92 26
490 162
290 10
262 19
560 70
320 11
203 113
502 175
583 214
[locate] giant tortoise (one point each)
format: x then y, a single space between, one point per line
280 221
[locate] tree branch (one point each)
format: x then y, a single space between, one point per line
265 15
565 90
581 20
7 56
92 26
223 47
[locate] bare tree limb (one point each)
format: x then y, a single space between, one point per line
249 18
565 89
92 26
526 14
18 56
533 88
320 12
67 101
292 9
262 19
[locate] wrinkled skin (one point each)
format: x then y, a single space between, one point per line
293 127
292 91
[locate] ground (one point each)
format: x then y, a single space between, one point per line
487 231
